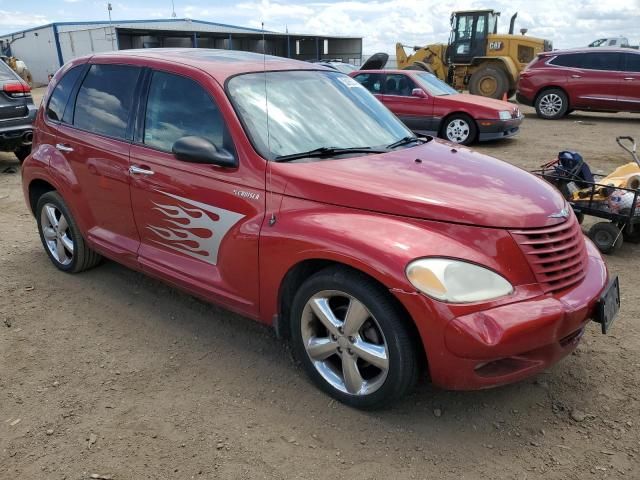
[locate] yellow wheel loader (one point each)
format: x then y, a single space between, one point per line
476 58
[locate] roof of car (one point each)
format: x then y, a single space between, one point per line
220 64
591 50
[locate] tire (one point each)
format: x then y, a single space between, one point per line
552 104
66 247
489 82
606 236
22 152
459 128
633 237
382 328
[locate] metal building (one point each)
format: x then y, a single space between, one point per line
47 48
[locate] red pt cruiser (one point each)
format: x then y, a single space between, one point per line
289 194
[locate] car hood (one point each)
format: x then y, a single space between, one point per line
478 101
434 181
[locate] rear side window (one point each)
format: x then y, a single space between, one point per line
370 81
179 107
60 96
6 73
632 62
571 60
589 61
105 99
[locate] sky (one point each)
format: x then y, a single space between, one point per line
381 23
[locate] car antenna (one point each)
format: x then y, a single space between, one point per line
272 219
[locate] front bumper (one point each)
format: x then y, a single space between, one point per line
496 129
510 342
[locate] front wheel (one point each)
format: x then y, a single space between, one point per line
552 104
352 340
459 128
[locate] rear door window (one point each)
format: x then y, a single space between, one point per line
632 62
370 81
60 96
105 100
398 84
6 74
601 61
177 107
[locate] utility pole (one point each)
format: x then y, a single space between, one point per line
109 8
173 9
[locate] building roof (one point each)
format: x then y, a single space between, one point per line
160 24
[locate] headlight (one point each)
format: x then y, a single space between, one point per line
505 115
456 281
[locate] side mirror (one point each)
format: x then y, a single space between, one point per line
200 150
418 92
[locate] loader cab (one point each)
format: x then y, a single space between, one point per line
469 31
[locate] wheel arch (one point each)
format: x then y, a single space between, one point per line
301 271
37 188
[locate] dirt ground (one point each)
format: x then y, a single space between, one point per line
112 374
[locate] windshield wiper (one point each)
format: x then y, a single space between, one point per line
407 140
326 152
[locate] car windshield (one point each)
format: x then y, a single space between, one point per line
433 85
598 42
310 109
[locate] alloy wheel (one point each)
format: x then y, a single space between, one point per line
345 342
550 104
458 131
57 234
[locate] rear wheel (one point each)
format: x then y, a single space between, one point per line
489 81
552 104
459 128
352 340
61 236
607 236
22 152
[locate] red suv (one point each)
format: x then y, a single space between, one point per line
288 193
602 80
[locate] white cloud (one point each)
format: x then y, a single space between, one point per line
381 23
17 20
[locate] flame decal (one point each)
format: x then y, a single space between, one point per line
196 231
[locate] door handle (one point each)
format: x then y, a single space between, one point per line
576 76
629 78
63 148
136 170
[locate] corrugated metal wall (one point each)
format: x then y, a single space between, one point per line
37 48
86 41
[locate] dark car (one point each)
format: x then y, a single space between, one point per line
17 113
429 106
602 80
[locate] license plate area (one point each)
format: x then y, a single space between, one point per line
608 306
